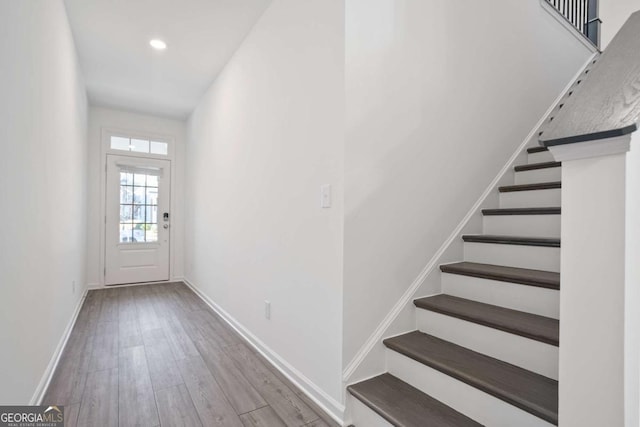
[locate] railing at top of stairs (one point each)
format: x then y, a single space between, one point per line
582 14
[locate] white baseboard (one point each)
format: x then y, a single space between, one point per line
327 403
38 395
408 296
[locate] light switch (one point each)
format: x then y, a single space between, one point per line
325 196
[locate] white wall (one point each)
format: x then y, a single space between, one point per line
600 277
265 137
43 115
614 13
593 254
439 96
101 118
632 290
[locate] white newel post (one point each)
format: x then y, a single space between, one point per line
600 283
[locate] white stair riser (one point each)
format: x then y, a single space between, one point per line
520 351
362 415
531 199
530 299
522 225
472 402
544 156
534 257
539 175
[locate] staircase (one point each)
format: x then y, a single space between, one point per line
485 351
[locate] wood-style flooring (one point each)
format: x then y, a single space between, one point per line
157 355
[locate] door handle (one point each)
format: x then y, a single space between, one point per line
165 226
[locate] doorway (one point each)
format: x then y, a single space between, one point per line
137 221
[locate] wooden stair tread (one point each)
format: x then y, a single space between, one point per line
535 166
522 211
512 240
524 276
531 187
538 149
404 405
532 326
526 390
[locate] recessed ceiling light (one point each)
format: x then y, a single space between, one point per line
158 44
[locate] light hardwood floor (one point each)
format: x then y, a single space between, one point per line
157 355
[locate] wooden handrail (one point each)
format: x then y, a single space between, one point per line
607 102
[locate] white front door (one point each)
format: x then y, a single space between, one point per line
137 220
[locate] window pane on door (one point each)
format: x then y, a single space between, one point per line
139 194
152 233
126 194
138 233
126 233
138 208
138 214
152 214
140 179
126 178
151 196
126 214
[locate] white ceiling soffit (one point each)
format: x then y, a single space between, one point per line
122 71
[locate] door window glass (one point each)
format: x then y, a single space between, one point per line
138 208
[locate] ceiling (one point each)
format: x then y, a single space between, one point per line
122 71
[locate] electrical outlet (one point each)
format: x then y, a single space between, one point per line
325 196
267 309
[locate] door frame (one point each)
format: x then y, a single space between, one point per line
105 149
139 261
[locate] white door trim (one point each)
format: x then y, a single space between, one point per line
105 134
